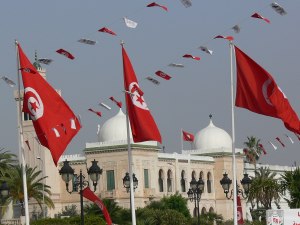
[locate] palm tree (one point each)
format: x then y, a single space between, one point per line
291 182
14 179
253 150
7 160
265 188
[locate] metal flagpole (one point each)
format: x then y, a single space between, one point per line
21 141
233 139
132 207
181 140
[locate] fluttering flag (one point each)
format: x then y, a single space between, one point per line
106 30
279 9
274 146
257 91
88 194
282 144
119 104
176 65
8 81
258 16
205 49
190 56
229 38
45 61
65 53
187 136
240 219
104 106
47 110
163 75
186 3
291 140
130 23
236 29
262 148
98 129
27 143
96 112
158 5
87 41
154 81
142 124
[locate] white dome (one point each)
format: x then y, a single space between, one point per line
114 129
212 139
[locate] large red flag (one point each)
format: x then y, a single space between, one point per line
187 136
87 193
239 211
54 122
142 124
257 91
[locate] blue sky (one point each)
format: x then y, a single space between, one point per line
201 88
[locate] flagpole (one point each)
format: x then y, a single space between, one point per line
181 135
21 142
233 139
132 207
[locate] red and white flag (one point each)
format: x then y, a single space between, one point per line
27 143
257 91
158 5
274 146
262 148
282 144
65 53
258 16
54 122
240 219
96 112
191 56
291 140
142 124
88 194
106 30
187 136
229 38
163 75
205 49
297 135
119 104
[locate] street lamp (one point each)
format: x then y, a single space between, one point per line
126 181
43 209
67 174
195 192
4 190
226 182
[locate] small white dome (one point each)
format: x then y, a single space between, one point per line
212 139
114 129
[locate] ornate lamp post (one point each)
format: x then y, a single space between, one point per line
195 192
226 182
67 174
126 181
4 190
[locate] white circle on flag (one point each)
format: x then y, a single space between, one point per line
34 103
136 98
265 91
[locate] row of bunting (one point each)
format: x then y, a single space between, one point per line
189 137
132 24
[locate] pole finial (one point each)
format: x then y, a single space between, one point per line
122 43
210 116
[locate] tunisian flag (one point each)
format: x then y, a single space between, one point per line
239 211
87 193
187 136
54 122
257 91
142 124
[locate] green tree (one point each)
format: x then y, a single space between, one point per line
7 161
253 150
35 189
291 183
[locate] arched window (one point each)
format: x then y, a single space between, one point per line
209 182
193 174
203 211
161 180
211 210
195 212
201 175
169 181
182 181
